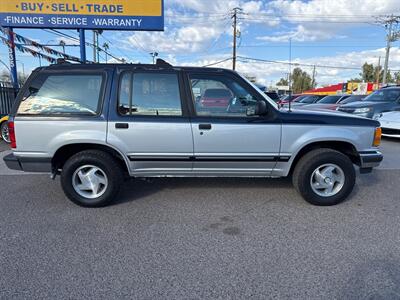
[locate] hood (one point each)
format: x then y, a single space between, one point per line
320 106
324 117
393 116
361 104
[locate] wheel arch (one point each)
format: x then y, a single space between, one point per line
67 151
344 147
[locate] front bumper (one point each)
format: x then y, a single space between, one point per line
370 159
28 164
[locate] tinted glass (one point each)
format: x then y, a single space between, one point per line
329 99
353 98
389 95
220 96
273 96
309 99
151 94
62 94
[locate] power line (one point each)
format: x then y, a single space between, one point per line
59 33
217 62
244 58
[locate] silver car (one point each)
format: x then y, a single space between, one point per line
96 124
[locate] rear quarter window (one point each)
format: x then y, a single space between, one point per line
56 94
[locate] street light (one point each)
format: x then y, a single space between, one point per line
23 66
154 55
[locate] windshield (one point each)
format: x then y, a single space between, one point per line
352 99
272 102
309 99
273 96
329 99
387 95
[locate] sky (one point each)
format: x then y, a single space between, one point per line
333 35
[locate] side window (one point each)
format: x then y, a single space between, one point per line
220 96
149 94
62 94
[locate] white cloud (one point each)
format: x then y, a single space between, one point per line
267 72
324 19
300 34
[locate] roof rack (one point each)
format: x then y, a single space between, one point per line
62 61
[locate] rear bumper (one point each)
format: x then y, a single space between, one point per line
28 164
370 159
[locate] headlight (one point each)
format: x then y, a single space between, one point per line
362 110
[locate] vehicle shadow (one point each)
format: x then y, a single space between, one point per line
135 189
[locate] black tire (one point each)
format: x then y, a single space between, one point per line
310 162
102 160
4 132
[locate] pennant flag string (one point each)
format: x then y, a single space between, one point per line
34 53
48 50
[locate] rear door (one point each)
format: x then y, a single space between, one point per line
226 140
150 123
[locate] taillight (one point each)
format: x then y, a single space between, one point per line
11 132
377 137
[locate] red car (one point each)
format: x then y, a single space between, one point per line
216 98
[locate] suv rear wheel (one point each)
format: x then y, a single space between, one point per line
91 178
324 177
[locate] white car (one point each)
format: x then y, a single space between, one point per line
390 122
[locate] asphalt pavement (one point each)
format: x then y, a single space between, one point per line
202 238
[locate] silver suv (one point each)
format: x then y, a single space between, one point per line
97 124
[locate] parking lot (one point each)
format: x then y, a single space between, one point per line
201 238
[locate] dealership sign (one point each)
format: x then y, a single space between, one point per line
83 14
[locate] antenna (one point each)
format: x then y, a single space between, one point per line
290 74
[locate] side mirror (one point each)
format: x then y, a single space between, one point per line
260 109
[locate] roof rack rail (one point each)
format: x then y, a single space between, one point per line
162 63
62 61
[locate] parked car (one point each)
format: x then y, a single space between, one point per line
383 100
351 99
290 97
330 102
274 96
390 123
95 124
216 98
310 99
4 129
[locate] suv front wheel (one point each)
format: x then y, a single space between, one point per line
324 177
91 178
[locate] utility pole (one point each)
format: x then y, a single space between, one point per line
392 35
378 72
94 46
235 13
313 78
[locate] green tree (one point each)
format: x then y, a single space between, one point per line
368 72
396 78
283 82
301 81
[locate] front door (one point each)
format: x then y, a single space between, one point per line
226 140
150 124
